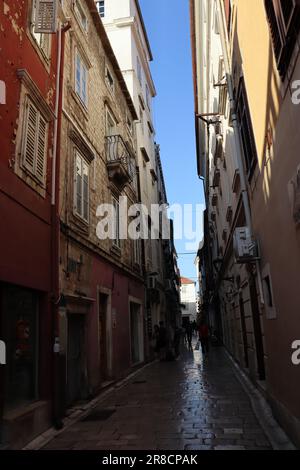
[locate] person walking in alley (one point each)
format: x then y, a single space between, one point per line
204 337
189 335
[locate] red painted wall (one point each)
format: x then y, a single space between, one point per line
105 275
25 235
25 216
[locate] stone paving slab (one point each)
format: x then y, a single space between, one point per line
189 404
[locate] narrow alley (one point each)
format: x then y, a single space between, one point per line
149 192
189 404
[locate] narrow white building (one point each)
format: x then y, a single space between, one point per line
127 34
188 298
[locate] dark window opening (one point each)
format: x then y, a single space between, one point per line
246 130
284 21
268 290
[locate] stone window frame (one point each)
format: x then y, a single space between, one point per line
80 214
30 91
110 79
78 54
80 146
80 15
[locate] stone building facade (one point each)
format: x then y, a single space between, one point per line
102 288
250 166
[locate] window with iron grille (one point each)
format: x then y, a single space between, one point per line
81 187
34 141
246 130
284 21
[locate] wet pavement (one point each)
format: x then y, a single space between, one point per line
189 404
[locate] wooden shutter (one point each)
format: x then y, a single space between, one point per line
78 184
277 37
284 21
30 137
288 9
45 19
85 191
41 149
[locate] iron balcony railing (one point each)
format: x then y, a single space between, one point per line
117 152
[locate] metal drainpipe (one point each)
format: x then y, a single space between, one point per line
56 229
237 137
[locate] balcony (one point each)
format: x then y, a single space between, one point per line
120 163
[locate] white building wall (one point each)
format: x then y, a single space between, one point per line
188 297
125 32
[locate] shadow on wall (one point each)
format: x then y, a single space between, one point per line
272 215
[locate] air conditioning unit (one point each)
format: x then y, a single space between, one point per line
245 248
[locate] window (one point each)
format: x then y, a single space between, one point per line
270 308
139 70
101 8
109 80
246 129
116 240
284 21
222 88
19 322
137 251
81 16
41 39
142 120
80 78
81 187
129 124
111 127
147 96
34 141
229 21
216 22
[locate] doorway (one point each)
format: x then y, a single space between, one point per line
244 331
76 358
136 334
259 346
103 336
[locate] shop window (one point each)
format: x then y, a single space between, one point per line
19 312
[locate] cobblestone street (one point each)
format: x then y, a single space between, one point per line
189 404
